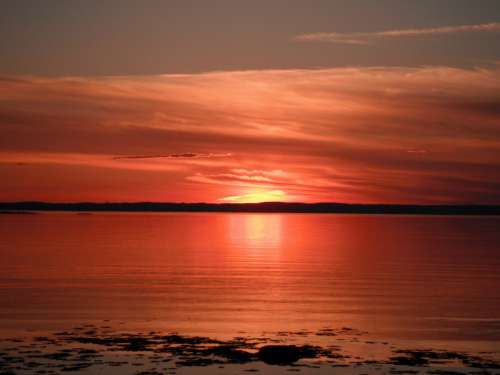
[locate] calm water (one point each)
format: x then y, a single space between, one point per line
398 277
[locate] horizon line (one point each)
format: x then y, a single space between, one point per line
244 203
258 207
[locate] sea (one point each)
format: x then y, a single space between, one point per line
395 281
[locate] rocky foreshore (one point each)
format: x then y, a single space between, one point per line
99 349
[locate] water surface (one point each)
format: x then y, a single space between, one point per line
419 279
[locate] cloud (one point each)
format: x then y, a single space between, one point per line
188 155
369 37
75 159
245 178
419 151
380 134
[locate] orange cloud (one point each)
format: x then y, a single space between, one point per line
174 156
425 135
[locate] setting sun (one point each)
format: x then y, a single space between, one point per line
257 197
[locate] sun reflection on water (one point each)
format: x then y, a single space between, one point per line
256 231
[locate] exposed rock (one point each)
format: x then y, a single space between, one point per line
286 354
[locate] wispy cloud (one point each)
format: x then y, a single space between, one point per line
245 178
188 155
369 37
383 134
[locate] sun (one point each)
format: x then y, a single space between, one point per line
256 197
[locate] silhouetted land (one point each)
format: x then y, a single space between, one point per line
18 207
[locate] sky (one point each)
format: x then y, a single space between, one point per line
388 101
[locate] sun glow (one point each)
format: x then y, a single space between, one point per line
256 232
256 197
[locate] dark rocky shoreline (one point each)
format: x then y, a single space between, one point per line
90 347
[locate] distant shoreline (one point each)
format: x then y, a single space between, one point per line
268 207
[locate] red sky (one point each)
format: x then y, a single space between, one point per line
384 101
366 134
